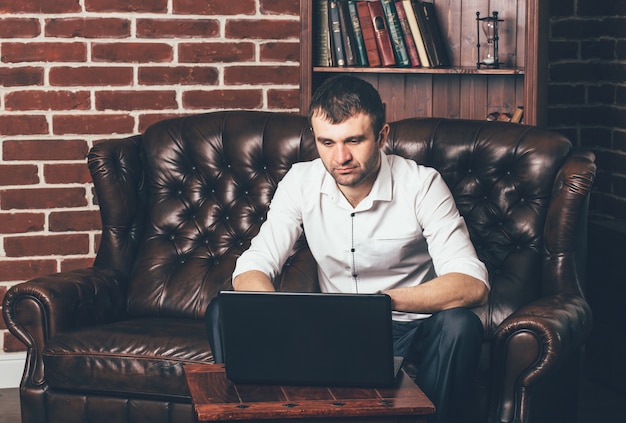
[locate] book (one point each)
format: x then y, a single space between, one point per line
322 34
338 54
369 38
415 32
347 34
435 36
518 114
361 54
409 41
395 33
383 40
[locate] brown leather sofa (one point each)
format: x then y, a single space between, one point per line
182 201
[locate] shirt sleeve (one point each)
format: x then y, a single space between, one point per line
272 246
445 230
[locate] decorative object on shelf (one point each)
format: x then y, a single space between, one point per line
489 57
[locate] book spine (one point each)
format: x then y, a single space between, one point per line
369 38
406 34
395 32
426 34
335 32
361 54
383 40
322 40
415 31
347 35
438 41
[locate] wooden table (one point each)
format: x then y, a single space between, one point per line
215 398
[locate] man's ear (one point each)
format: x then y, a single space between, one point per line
382 135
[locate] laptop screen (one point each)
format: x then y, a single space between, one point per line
307 338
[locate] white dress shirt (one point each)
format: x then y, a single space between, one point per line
405 232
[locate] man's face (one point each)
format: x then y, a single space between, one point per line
350 150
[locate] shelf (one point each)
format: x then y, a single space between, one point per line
441 71
460 91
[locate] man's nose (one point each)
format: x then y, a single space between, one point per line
342 154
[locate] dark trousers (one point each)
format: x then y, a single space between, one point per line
445 348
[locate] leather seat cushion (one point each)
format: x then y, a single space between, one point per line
142 356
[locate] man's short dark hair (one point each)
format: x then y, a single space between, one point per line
342 97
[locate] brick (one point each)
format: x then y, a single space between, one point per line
619 140
93 124
20 270
562 8
76 263
44 52
280 7
46 245
88 28
19 28
283 99
216 52
72 221
48 100
14 223
136 100
620 50
91 76
563 50
597 49
40 6
258 75
576 72
214 7
12 344
223 99
151 6
148 119
23 125
178 28
48 149
266 29
576 29
597 8
280 52
21 76
595 137
66 173
179 75
604 93
566 94
132 52
42 198
19 174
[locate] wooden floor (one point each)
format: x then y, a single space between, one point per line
599 404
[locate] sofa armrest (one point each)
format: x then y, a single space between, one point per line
533 343
36 310
565 231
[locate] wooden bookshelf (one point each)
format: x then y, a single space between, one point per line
462 90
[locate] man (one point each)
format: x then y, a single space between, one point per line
379 223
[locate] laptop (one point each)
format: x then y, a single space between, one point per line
285 338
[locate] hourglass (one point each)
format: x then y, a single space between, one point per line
489 56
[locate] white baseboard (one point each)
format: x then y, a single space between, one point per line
11 369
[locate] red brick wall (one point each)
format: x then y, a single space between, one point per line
587 94
71 75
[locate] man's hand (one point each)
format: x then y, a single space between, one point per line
253 280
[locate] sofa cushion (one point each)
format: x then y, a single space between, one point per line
141 357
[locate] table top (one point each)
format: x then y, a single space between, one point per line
215 398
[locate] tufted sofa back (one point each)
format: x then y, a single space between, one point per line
180 203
